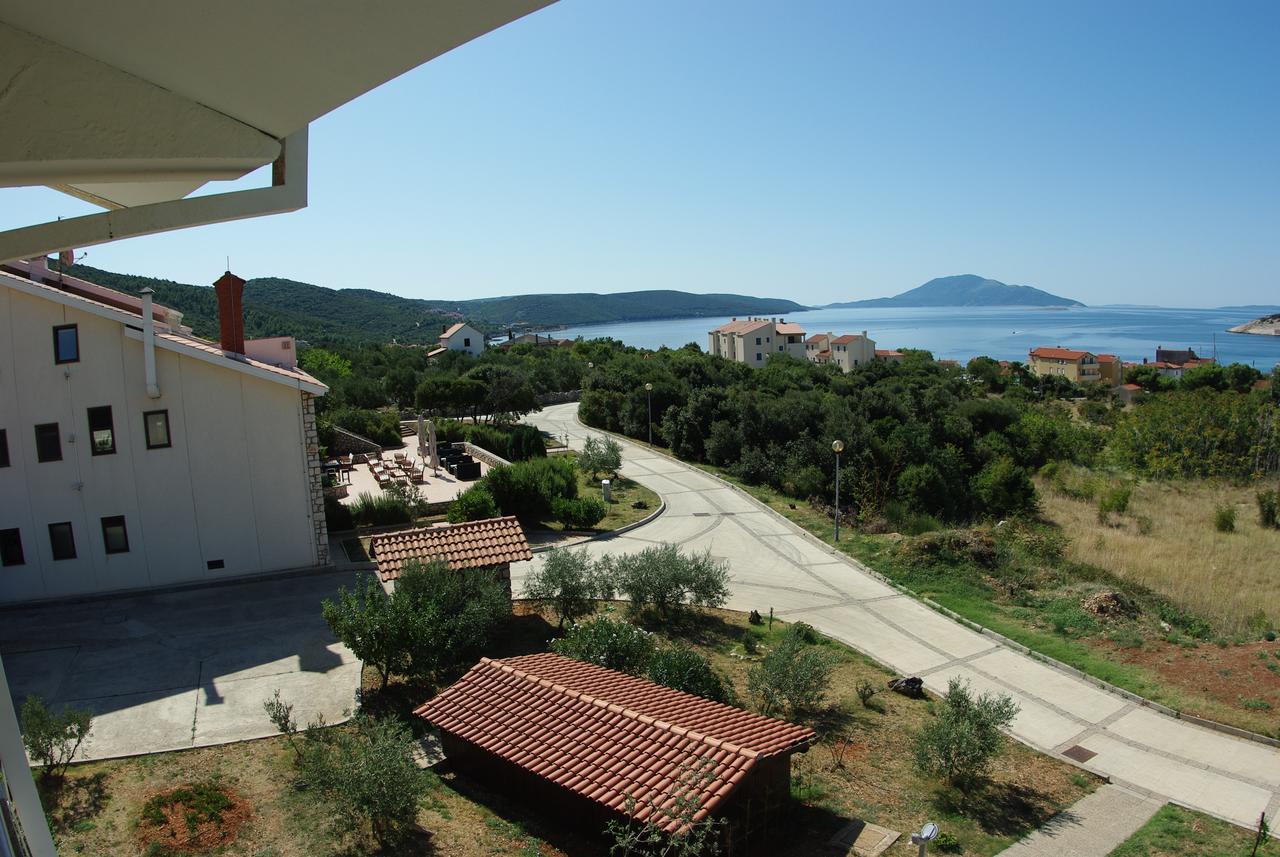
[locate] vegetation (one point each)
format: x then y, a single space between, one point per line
608 643
794 676
381 630
527 489
579 513
665 580
376 510
473 504
600 454
568 582
960 744
512 442
698 836
53 738
1177 832
681 668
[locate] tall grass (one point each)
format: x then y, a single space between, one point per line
1169 542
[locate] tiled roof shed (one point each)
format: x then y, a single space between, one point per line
622 744
490 543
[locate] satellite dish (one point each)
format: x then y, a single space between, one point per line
929 832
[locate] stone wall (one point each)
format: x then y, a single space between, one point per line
345 442
315 478
558 398
479 453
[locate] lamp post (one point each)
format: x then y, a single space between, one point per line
837 446
648 392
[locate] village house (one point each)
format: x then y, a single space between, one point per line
1110 370
754 340
1174 362
1080 367
594 745
848 351
135 455
460 337
889 355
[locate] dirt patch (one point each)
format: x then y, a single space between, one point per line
1109 604
193 818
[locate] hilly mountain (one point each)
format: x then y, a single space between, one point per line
965 290
276 306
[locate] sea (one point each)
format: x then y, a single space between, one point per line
1003 333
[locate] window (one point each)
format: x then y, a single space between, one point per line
102 433
62 540
466 342
66 344
11 548
758 357
4 448
115 538
757 340
48 443
156 425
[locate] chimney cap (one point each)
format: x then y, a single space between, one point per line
146 290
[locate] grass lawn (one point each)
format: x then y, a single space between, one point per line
622 510
1178 832
96 812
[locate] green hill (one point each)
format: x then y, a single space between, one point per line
965 290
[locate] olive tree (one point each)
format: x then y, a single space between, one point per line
569 582
961 742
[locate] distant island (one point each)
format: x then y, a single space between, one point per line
968 290
1268 325
275 306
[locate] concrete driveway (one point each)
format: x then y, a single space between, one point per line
184 669
773 563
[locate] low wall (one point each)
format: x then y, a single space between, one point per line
558 398
482 454
345 442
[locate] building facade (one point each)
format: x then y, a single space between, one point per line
754 340
461 337
134 455
1079 367
848 351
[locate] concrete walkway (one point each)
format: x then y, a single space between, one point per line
1092 827
774 563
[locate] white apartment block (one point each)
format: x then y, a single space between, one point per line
754 340
848 351
135 455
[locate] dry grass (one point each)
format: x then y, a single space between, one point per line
1225 577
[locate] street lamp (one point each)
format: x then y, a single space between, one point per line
648 392
927 834
837 446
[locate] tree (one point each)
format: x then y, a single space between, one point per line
368 771
666 579
474 504
457 612
325 364
1003 488
681 668
607 643
53 739
794 675
379 629
568 582
961 742
600 454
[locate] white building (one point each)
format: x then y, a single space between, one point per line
754 340
135 455
460 337
848 351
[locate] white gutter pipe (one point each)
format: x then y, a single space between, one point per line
149 343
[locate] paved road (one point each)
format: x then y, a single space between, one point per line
775 564
1095 825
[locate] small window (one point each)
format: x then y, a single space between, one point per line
66 344
759 357
156 424
48 442
215 564
466 342
115 538
11 548
4 448
62 540
757 340
102 433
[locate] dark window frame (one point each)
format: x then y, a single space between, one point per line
6 553
108 523
466 343
57 436
53 544
58 359
110 427
4 448
146 429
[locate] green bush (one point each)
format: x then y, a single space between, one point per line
527 489
1269 509
379 629
459 612
580 513
514 443
203 801
666 579
53 738
1115 499
794 676
608 643
337 516
473 504
681 668
569 582
960 743
380 510
1224 518
600 454
1003 488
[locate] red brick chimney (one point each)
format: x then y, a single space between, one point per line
230 291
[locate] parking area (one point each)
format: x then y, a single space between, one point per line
168 671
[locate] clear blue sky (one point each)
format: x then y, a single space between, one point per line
1110 152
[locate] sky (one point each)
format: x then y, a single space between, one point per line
817 151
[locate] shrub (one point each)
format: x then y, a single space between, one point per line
473 504
1224 518
608 643
866 692
527 489
53 739
1003 488
458 612
666 579
368 771
378 426
1269 509
569 582
379 510
794 676
337 516
681 668
379 629
965 737
1115 500
203 802
600 454
580 513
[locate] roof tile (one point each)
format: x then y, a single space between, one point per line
473 544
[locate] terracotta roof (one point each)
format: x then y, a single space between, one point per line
787 328
451 331
435 352
846 339
1132 387
742 326
816 338
1105 358
473 544
882 352
1058 353
609 737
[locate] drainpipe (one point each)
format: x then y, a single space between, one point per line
149 343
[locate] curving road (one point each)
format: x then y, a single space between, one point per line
775 564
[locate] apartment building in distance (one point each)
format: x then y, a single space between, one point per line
1080 367
754 340
848 351
135 455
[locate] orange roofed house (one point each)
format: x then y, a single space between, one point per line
493 543
754 340
596 745
1080 367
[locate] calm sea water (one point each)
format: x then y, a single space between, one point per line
1005 333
